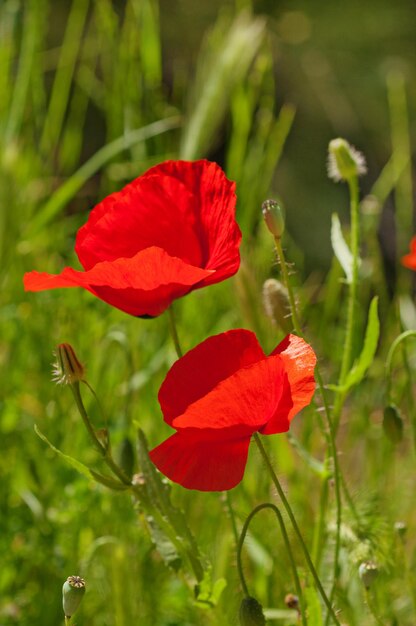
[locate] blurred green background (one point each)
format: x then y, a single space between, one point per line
92 93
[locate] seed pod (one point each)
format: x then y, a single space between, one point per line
251 613
392 424
72 593
368 572
273 216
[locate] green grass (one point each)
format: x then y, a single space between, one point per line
83 110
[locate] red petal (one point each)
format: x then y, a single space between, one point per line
248 398
299 362
409 260
186 208
150 211
216 208
144 285
200 459
201 369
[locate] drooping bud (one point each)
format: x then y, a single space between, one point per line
67 370
273 216
276 303
251 613
368 572
392 424
73 591
344 161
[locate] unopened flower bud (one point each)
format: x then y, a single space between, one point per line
392 424
251 613
67 370
368 572
292 601
400 528
344 161
276 303
273 216
72 594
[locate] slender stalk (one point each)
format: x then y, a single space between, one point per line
232 515
67 621
330 436
372 608
295 527
287 284
108 459
260 507
352 297
174 331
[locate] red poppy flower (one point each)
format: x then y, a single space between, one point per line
409 260
218 395
168 232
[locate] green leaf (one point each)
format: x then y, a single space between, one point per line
366 357
163 544
207 594
107 481
158 493
314 607
340 248
361 365
80 467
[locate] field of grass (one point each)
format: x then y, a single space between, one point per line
89 105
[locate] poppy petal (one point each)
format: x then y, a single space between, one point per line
219 230
409 260
299 363
145 284
199 459
248 398
150 211
203 367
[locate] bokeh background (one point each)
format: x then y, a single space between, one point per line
261 87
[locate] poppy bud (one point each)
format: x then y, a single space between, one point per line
67 370
392 424
292 601
72 594
251 613
276 303
400 528
344 161
368 572
273 216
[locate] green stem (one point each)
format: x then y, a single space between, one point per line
244 530
103 451
67 621
287 284
295 527
330 436
352 297
174 331
372 608
232 516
